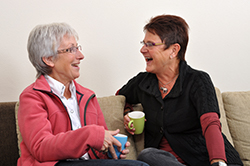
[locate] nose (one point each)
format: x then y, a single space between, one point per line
143 49
79 55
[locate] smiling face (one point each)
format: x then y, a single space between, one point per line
156 57
65 67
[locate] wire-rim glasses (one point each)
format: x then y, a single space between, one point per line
72 50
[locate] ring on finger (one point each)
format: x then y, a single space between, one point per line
106 146
106 150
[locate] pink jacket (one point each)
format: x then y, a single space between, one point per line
46 127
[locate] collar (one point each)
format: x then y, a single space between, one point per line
58 88
150 83
81 92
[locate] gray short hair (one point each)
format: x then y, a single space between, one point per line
44 41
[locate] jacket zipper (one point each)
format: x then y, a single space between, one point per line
85 111
85 108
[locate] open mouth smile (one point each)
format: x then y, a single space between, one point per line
148 59
75 65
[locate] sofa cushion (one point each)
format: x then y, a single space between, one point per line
237 107
112 108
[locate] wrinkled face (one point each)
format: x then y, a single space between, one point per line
65 67
156 57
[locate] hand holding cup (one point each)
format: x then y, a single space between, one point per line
137 121
109 141
123 140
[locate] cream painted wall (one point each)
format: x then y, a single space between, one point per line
110 31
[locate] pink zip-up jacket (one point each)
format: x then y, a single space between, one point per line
45 126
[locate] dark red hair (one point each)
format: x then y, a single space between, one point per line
171 29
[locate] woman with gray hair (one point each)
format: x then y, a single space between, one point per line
60 121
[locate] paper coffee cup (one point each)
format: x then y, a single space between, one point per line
137 118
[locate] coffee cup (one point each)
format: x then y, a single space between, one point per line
137 118
122 139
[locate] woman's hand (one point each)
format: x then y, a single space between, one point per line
125 151
216 160
126 120
109 141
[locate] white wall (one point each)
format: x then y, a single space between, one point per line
110 31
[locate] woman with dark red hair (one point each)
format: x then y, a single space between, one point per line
182 115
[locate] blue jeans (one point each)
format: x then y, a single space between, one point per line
102 162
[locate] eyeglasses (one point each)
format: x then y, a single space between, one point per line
72 50
150 44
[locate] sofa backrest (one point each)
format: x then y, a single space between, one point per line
8 138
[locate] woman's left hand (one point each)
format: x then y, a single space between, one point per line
125 151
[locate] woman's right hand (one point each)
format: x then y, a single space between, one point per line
109 141
126 120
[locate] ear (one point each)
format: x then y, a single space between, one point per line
175 50
48 61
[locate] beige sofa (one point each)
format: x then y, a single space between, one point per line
235 119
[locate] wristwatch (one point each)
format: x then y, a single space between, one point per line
219 164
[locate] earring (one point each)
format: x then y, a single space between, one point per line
171 56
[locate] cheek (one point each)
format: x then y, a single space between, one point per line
67 62
63 67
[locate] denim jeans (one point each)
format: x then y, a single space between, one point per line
102 162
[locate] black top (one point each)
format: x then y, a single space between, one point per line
177 116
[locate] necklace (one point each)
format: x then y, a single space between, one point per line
163 88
